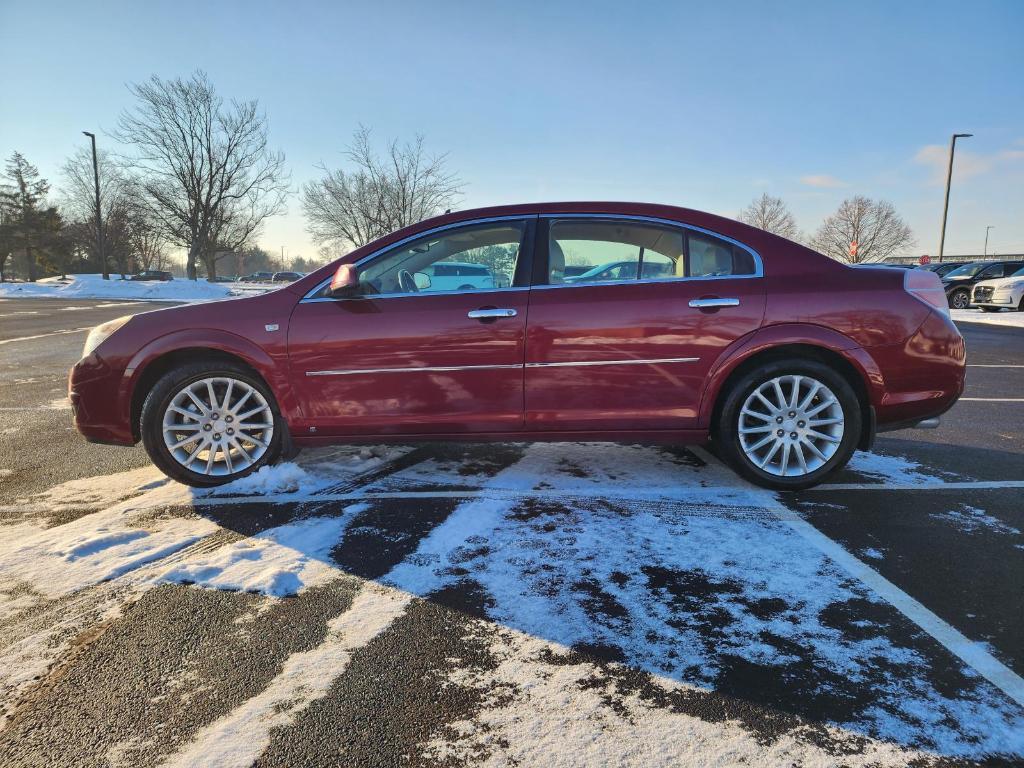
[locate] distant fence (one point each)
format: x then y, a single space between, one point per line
958 258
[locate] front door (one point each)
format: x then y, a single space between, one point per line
627 339
410 353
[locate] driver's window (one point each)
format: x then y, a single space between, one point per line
474 258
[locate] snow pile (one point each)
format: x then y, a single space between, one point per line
95 287
92 493
892 470
1007 318
279 478
277 562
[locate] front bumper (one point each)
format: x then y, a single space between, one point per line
93 391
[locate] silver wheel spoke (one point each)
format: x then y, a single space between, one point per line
189 432
801 431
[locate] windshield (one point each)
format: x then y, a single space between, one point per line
967 270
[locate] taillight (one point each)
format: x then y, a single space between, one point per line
925 285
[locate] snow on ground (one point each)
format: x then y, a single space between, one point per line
278 562
971 520
891 469
691 585
1005 317
95 287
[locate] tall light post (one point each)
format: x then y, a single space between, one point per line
99 215
990 226
949 178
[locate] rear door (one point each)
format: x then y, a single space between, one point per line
407 356
632 353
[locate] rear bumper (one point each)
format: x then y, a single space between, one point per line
93 391
924 377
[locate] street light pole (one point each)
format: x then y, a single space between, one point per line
949 179
99 215
990 226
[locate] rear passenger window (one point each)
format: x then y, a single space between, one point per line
712 257
602 251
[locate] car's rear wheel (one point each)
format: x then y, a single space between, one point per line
788 424
208 424
960 299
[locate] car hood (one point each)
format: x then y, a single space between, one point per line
1001 282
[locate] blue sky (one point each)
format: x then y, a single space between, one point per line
699 104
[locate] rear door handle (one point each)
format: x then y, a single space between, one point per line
713 303
490 314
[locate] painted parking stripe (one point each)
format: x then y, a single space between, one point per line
667 494
991 400
993 365
44 335
969 652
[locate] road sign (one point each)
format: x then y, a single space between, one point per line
926 259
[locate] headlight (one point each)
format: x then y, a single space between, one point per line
101 333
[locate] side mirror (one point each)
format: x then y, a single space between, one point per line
344 283
422 280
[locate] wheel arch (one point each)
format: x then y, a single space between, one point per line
804 342
164 354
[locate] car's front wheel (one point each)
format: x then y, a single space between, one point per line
207 424
960 299
788 424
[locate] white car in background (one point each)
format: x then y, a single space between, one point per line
456 276
1001 293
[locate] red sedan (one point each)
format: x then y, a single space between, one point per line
701 329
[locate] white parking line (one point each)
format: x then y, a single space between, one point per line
44 335
993 365
969 652
667 494
991 400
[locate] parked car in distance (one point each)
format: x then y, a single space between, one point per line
941 268
226 279
287 277
621 270
151 274
456 276
574 270
958 283
784 359
1000 293
257 277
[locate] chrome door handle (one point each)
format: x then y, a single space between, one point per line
713 303
490 314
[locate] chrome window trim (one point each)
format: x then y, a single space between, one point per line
311 295
410 295
758 263
519 366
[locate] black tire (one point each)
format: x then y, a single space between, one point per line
160 396
726 430
990 309
960 299
1020 306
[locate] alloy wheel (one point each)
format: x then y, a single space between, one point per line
961 300
790 426
218 426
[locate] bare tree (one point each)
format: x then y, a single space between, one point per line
201 161
377 196
863 230
770 214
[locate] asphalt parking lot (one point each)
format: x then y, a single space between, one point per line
507 604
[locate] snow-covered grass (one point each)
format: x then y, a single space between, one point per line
95 287
1008 318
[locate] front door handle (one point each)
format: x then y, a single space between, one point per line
490 314
713 303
